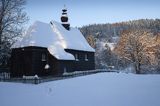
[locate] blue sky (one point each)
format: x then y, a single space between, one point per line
84 12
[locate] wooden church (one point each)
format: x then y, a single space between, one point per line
51 49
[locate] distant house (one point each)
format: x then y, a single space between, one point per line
50 49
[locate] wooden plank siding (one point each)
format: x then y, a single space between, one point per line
81 64
29 61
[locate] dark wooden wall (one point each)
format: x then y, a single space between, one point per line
82 64
28 61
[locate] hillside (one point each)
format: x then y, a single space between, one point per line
105 37
108 30
103 89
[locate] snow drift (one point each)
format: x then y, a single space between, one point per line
103 89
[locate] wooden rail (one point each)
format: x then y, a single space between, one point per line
37 80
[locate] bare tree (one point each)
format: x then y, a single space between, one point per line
12 19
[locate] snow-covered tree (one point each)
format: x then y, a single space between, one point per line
133 45
106 33
12 19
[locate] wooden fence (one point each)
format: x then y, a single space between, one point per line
36 80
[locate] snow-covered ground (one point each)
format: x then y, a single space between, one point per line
103 89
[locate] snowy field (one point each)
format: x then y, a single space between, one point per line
103 89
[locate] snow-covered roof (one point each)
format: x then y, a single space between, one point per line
55 38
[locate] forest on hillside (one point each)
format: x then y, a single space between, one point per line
126 44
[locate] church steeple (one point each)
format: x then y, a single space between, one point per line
64 18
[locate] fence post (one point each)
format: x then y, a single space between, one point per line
24 79
36 79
